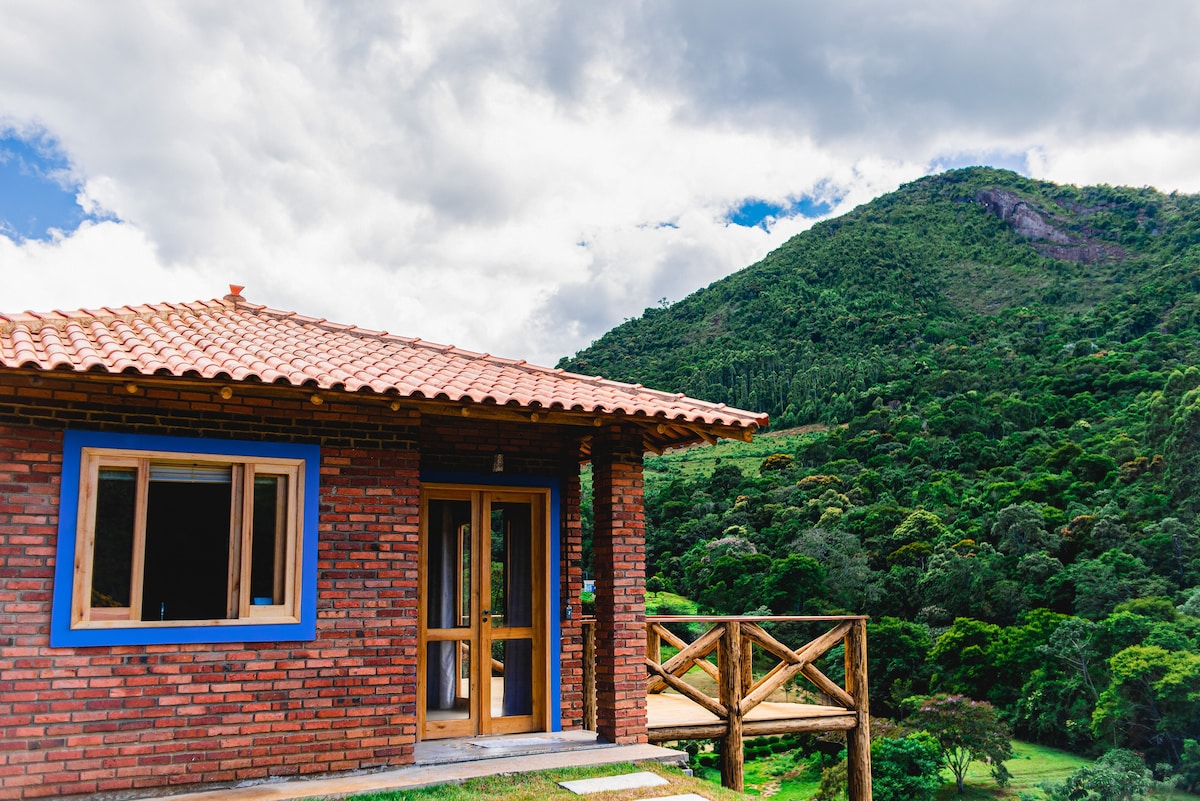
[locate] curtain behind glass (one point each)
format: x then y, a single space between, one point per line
518 611
441 674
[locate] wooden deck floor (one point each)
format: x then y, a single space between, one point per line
672 717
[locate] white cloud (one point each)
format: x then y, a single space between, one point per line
432 168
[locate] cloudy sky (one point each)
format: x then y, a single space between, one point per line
518 177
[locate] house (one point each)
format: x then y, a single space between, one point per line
239 543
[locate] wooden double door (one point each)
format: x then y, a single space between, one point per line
483 656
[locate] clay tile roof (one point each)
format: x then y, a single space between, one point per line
234 340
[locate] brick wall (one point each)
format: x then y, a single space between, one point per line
117 719
570 588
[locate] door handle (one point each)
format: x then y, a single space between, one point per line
487 615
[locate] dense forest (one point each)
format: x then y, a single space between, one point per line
999 460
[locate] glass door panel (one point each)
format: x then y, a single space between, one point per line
484 612
450 700
448 680
511 564
512 678
515 592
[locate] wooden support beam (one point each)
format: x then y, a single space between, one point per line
729 660
765 688
747 666
589 675
755 632
654 684
682 662
687 690
823 643
654 652
796 663
668 635
828 686
754 728
858 739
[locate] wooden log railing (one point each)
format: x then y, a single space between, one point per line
734 640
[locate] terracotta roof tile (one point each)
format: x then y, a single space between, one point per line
242 341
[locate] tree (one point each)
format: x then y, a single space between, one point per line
963 657
966 731
844 562
1152 702
897 662
1072 643
795 583
906 769
1119 775
1021 529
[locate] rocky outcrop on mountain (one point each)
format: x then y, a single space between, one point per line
1047 232
1025 219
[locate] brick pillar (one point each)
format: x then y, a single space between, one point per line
619 551
570 588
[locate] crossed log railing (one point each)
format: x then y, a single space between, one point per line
738 691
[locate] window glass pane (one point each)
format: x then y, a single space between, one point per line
268 545
112 560
512 678
512 564
448 680
187 544
448 553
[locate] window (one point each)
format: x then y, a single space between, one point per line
166 539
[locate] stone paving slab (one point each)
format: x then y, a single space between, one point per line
602 784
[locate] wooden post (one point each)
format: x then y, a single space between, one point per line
747 665
653 645
589 675
729 660
858 739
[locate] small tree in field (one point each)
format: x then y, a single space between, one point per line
1119 775
966 731
906 768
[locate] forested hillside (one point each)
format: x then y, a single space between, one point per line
1002 460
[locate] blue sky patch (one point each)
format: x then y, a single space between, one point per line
753 212
37 188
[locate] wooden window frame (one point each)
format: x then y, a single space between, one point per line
76 622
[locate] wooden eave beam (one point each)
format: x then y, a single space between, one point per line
659 434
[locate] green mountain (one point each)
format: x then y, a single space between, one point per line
1000 459
974 279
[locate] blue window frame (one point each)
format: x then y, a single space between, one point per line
167 540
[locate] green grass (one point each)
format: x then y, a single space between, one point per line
1031 764
779 777
668 603
785 780
544 786
702 459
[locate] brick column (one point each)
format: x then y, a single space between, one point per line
619 551
570 588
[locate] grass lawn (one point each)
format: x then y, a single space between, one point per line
701 460
781 779
1031 764
544 785
777 777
